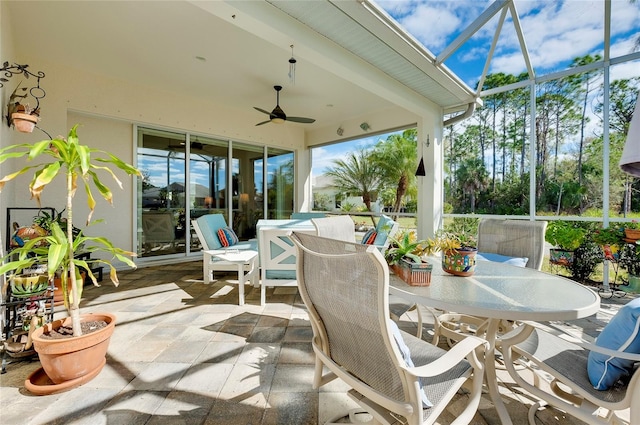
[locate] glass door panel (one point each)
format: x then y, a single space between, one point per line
161 200
280 174
208 160
248 204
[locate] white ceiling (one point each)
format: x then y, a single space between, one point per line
246 47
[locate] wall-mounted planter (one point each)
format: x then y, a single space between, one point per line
24 123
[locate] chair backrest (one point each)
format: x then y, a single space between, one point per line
514 238
206 228
158 227
345 287
385 229
340 227
277 256
307 215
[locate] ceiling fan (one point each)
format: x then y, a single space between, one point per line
278 116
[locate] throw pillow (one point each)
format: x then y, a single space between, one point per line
621 333
369 237
227 236
498 258
406 356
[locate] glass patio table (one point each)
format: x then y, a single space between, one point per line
501 292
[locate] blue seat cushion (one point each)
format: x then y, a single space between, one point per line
209 225
621 333
280 274
382 229
497 258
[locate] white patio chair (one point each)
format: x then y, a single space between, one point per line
277 259
158 228
549 352
339 227
345 287
343 228
512 239
206 228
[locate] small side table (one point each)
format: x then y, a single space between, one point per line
242 259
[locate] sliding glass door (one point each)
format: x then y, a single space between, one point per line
186 176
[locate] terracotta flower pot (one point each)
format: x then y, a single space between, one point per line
69 359
632 234
24 123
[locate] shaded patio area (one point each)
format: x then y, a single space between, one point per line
186 353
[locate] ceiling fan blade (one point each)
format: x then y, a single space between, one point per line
263 122
301 119
262 110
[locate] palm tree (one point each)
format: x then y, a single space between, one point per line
472 178
397 158
357 175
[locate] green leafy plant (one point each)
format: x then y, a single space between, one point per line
612 235
633 224
565 235
587 257
630 258
407 246
77 164
46 220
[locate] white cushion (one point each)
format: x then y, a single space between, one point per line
406 355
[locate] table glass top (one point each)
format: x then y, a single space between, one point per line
502 291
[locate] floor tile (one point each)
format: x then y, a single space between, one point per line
186 353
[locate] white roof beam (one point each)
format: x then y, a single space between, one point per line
471 29
494 42
523 44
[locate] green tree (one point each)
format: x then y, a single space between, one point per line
357 175
397 160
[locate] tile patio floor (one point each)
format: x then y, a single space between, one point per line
186 353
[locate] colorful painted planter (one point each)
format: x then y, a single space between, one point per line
459 262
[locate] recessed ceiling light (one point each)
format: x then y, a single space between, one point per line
201 58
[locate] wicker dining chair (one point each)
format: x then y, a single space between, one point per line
345 287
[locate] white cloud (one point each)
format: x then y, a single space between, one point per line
555 32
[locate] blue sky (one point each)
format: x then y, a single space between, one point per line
555 32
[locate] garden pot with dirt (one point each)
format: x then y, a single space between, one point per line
66 358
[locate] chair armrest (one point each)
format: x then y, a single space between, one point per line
523 332
452 357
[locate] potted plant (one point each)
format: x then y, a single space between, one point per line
77 163
630 261
459 249
609 239
566 237
405 257
24 118
632 231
